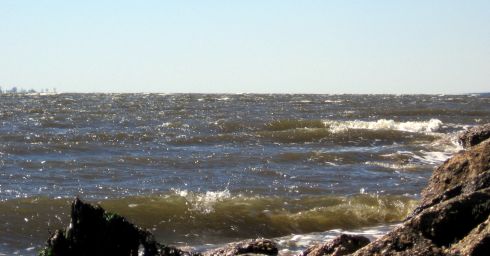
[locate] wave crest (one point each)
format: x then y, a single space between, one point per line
433 125
213 217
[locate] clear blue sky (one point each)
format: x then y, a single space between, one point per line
246 46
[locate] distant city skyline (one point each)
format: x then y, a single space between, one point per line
326 47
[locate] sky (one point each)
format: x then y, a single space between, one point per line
345 46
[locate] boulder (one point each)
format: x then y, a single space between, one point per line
474 135
465 172
453 217
437 230
341 245
254 246
93 231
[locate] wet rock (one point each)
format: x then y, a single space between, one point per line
255 246
93 231
341 245
475 135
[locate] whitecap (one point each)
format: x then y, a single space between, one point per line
432 125
433 157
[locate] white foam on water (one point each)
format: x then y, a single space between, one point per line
439 151
391 165
295 244
432 125
432 157
203 202
442 149
332 101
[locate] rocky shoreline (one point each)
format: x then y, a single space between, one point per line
453 218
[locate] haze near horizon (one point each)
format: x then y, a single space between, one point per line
246 47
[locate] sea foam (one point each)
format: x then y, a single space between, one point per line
433 125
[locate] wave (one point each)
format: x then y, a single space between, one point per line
417 112
209 217
432 125
329 158
354 137
281 125
296 243
354 132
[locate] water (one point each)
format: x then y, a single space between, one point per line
202 170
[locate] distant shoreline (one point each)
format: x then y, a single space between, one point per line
214 93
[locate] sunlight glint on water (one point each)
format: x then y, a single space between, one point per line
210 169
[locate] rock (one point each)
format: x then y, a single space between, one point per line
341 245
474 135
254 246
454 214
93 231
476 243
464 172
436 228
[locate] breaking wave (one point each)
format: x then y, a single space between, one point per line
212 216
433 125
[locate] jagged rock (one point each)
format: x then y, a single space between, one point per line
475 135
475 243
464 172
453 218
93 231
436 228
255 246
341 245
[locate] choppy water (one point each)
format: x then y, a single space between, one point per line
209 169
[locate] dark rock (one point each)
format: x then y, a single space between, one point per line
57 245
341 245
93 231
474 135
475 243
255 246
